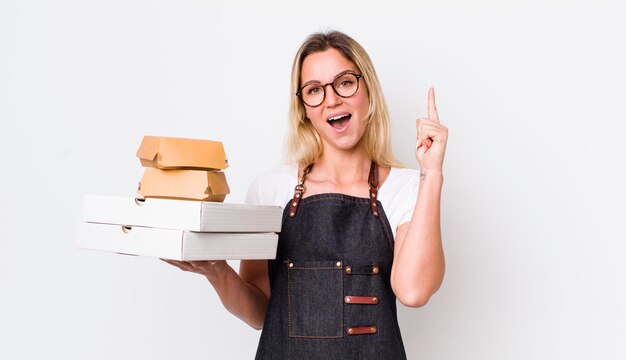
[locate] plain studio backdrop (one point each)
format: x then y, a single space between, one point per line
533 203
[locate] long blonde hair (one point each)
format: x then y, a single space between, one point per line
303 144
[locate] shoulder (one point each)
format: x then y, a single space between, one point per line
280 175
401 179
273 187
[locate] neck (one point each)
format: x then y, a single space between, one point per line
340 166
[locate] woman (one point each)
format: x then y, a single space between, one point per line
358 230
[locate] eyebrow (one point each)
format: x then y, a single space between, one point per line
334 78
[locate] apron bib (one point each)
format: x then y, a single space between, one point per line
331 295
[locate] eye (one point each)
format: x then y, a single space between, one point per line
313 90
345 81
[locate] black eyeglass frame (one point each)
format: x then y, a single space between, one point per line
332 85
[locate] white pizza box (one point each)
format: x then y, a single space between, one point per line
175 244
182 214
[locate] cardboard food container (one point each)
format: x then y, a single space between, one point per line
178 153
182 214
184 184
175 244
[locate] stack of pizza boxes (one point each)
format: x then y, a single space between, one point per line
179 212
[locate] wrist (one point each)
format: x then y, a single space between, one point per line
218 275
431 174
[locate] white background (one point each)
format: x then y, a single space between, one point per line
534 198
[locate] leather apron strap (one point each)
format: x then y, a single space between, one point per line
373 190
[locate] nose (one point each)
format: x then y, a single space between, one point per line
332 99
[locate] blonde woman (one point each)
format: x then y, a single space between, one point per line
358 230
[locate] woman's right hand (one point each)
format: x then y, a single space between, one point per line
212 269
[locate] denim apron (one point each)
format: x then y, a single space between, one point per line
331 295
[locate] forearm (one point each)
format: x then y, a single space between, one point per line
243 300
420 264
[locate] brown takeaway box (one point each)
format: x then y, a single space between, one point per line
178 153
184 184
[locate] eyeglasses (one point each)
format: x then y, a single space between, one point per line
345 84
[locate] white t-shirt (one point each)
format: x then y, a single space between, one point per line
398 194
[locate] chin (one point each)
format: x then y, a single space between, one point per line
347 145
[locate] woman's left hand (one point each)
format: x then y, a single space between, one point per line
431 138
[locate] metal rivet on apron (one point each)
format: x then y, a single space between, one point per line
348 269
374 204
297 195
375 213
292 214
290 264
348 299
350 331
294 203
373 195
375 269
338 263
373 329
375 300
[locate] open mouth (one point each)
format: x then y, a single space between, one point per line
339 121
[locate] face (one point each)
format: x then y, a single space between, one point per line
339 121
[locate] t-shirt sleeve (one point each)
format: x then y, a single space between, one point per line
411 190
398 195
272 187
252 196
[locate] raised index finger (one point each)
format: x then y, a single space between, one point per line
432 108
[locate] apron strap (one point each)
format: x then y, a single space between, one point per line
373 182
298 191
373 189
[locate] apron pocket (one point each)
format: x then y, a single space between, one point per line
315 299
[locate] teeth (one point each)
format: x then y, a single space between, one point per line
337 117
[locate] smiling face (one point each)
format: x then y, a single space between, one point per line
339 121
